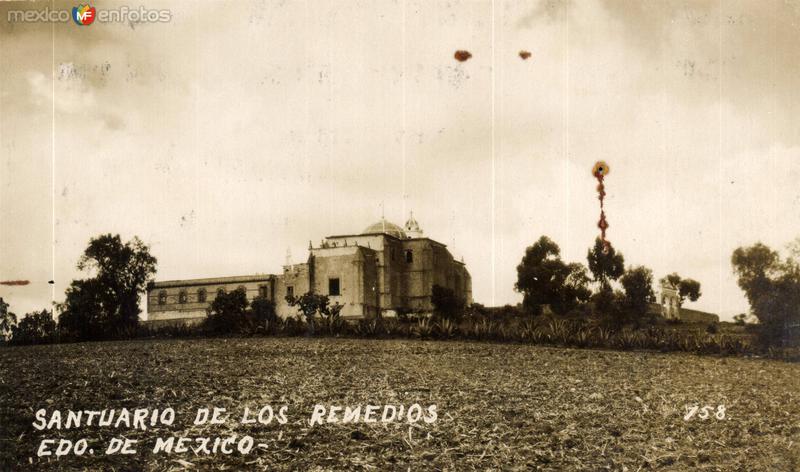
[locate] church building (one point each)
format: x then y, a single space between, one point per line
379 271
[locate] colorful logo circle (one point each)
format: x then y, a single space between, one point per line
84 15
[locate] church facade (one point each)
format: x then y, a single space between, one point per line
379 271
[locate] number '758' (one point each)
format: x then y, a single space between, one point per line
704 412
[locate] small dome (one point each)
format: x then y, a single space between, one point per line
384 226
412 227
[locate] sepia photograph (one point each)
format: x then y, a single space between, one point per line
368 235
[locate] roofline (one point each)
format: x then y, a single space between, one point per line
424 238
211 281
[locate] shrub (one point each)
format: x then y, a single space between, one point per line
332 325
294 326
35 328
228 314
446 305
263 310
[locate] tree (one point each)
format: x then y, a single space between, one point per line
605 263
7 320
574 290
228 313
772 288
740 319
35 328
687 288
637 283
263 310
446 304
756 267
84 314
309 305
544 279
330 312
109 301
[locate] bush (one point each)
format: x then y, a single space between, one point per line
228 314
446 305
263 310
35 328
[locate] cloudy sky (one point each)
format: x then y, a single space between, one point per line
239 130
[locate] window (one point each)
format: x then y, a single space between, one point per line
182 296
262 291
409 256
393 254
221 291
162 297
201 295
333 287
289 291
242 288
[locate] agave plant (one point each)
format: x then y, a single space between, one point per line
601 337
445 329
333 326
502 332
422 329
480 329
582 337
709 345
367 328
526 331
626 340
540 336
655 338
561 331
690 343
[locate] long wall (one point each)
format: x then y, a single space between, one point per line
179 299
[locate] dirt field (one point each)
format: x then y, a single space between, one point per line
499 406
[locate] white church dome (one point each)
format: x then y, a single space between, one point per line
387 227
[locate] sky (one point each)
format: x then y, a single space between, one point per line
238 131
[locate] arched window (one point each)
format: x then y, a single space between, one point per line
220 291
409 256
201 295
182 297
162 297
242 288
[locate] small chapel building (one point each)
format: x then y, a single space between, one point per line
671 307
379 271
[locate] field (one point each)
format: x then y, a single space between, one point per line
499 406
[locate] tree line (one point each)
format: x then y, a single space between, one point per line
105 303
616 295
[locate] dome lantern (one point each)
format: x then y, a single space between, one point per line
412 227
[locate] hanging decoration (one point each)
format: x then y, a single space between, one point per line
599 171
